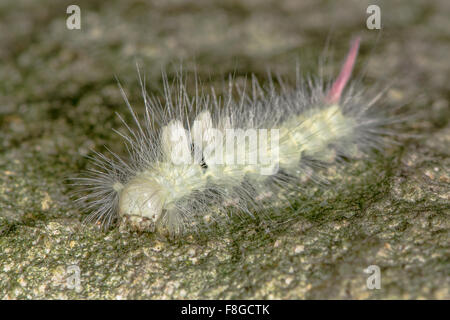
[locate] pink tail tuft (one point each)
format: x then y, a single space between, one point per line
339 84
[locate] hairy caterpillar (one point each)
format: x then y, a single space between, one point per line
191 159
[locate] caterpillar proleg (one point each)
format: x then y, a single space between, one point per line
193 158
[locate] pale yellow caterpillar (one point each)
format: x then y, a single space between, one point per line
191 159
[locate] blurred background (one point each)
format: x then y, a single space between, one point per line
59 96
